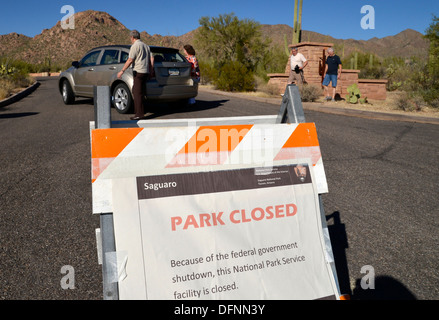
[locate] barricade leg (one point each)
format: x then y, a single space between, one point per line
291 111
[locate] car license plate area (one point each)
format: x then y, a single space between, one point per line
174 72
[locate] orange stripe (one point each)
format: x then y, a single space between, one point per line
109 143
216 139
305 135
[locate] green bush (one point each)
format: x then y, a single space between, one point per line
372 72
12 77
234 76
208 72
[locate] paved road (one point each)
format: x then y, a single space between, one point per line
382 206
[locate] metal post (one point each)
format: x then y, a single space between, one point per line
110 290
291 111
102 103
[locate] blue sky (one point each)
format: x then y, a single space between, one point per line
338 18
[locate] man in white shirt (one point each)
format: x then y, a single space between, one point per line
297 62
143 63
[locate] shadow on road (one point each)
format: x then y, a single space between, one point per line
385 287
161 109
80 101
339 243
17 115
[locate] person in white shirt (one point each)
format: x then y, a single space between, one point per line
143 65
297 62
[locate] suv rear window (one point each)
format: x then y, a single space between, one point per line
167 55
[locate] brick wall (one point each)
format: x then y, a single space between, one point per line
373 89
279 81
314 53
348 77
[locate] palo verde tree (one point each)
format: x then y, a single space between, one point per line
432 34
431 92
233 49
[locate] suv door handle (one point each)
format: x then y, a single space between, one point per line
112 68
91 69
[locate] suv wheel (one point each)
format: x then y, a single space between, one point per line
122 99
67 93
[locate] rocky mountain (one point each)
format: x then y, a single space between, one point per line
405 44
95 28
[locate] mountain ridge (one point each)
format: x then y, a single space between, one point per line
96 28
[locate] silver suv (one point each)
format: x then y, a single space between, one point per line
171 80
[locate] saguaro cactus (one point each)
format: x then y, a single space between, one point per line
356 61
299 34
297 26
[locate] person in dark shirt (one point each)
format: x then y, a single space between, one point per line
332 73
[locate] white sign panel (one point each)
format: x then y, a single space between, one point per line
131 152
247 234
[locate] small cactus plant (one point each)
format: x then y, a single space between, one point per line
6 71
354 95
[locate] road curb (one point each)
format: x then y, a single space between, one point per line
376 115
334 110
20 95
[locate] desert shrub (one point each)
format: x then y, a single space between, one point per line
403 103
234 76
419 78
6 88
372 72
408 102
12 78
274 61
310 92
208 72
3 93
236 49
262 85
431 96
269 89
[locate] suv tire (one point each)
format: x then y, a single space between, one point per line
68 97
122 100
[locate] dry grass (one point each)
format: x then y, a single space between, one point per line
390 105
10 87
6 88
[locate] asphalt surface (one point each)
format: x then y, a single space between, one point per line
381 208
